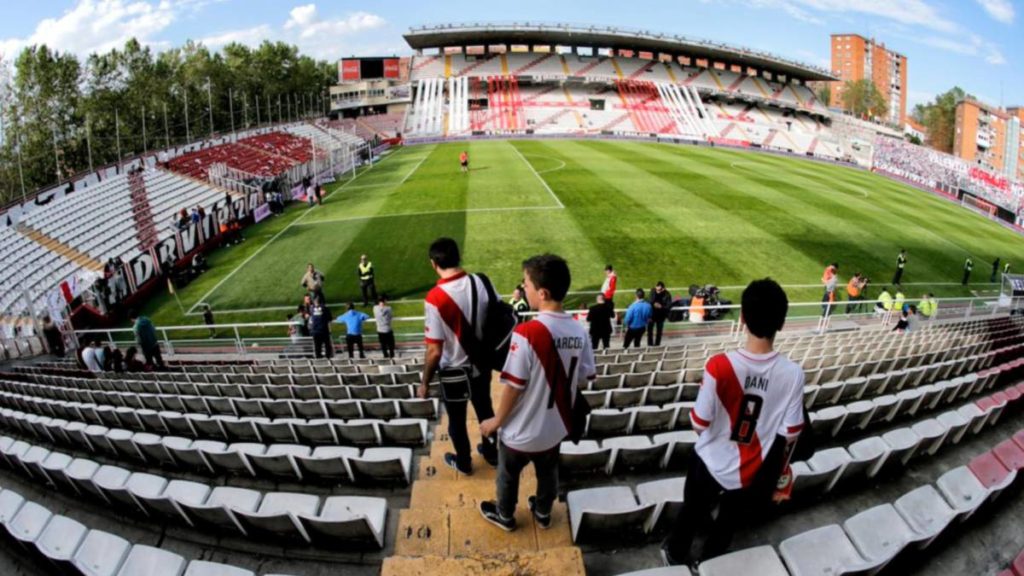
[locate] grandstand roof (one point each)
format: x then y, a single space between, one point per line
475 34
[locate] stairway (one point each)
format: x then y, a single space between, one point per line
443 534
142 212
80 258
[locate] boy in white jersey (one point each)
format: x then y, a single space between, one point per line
748 413
549 357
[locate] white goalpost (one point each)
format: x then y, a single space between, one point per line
986 209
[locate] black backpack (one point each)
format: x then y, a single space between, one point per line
499 321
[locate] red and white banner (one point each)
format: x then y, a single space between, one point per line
391 68
349 70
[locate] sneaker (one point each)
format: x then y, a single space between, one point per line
489 510
453 462
491 458
668 559
543 521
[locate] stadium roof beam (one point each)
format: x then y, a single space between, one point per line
616 39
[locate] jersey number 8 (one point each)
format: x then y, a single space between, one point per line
746 424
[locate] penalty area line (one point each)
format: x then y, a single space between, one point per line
539 177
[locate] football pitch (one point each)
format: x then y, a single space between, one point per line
680 214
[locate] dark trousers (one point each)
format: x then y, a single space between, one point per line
826 303
702 494
654 330
967 276
322 345
854 305
510 466
353 340
604 339
387 343
897 276
154 357
480 396
633 335
369 288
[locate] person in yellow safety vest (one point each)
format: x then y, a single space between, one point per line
518 302
898 300
884 303
697 307
928 306
366 280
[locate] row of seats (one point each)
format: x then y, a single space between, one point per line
67 546
281 144
353 521
1017 568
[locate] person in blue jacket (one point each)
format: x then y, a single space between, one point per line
353 320
638 315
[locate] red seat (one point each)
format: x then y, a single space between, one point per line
1018 564
1010 454
1000 398
988 470
1019 438
1020 388
985 403
1012 394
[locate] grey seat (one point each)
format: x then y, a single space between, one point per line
926 513
279 430
611 511
31 461
829 420
219 509
78 475
955 424
149 561
100 554
963 491
933 435
315 432
886 408
654 419
858 415
204 568
357 432
151 448
382 464
587 456
59 541
867 457
634 453
909 401
761 560
233 459
276 516
167 504
108 483
141 485
191 454
663 571
28 523
243 429
10 503
879 533
348 522
602 423
279 461
904 443
403 432
667 496
821 551
818 475
327 463
418 408
681 445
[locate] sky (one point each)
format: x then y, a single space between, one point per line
976 44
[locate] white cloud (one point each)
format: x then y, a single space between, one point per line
969 45
315 35
99 25
915 12
1001 10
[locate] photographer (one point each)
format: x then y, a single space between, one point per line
855 293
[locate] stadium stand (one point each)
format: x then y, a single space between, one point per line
253 160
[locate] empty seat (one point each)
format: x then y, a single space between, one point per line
149 561
680 446
634 453
404 432
825 550
926 513
903 442
963 491
220 507
168 502
276 516
667 496
991 472
204 568
382 464
100 554
761 560
59 540
879 533
279 461
829 420
819 474
1009 454
348 521
140 485
327 462
586 456
606 512
28 523
602 423
955 424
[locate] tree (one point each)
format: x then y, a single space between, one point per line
913 139
862 98
939 117
824 93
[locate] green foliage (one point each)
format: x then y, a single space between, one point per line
862 99
939 117
824 93
139 95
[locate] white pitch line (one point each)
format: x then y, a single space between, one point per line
429 213
283 230
413 171
542 181
555 169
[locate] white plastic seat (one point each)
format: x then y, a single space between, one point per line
315 432
681 445
219 509
822 551
974 416
606 511
149 561
31 461
858 415
586 456
279 430
879 533
277 514
886 408
143 485
604 422
963 491
634 453
909 401
667 496
204 568
100 554
108 483
933 436
327 462
762 561
403 432
818 475
829 420
348 522
78 475
357 432
167 503
650 419
279 461
382 464
152 449
955 424
903 442
59 541
926 513
27 525
233 459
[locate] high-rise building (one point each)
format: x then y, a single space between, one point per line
1015 162
989 137
855 57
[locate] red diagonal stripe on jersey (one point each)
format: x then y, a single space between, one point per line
543 344
730 394
452 315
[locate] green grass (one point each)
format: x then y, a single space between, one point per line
683 215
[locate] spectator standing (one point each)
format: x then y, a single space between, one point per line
353 320
382 316
928 306
208 319
884 303
995 270
91 359
518 302
313 282
548 361
828 280
901 262
366 280
898 300
855 293
748 414
54 339
600 318
131 360
608 286
320 328
464 161
661 303
638 316
145 337
968 267
451 334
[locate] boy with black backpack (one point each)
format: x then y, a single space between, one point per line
462 318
